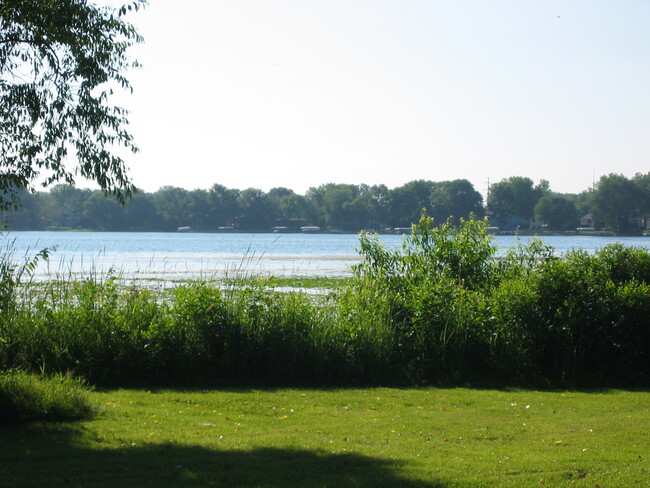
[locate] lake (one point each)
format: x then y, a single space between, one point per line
171 256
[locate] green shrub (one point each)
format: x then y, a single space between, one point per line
430 294
624 264
513 356
27 397
459 313
581 320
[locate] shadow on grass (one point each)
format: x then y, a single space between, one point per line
59 455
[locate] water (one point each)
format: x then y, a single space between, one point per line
171 256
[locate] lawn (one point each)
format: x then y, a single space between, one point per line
375 437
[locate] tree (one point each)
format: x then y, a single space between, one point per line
407 201
290 210
276 198
557 212
173 206
60 62
295 208
102 214
141 214
340 206
66 205
515 198
255 211
199 210
583 201
30 217
370 207
642 182
224 205
457 198
279 192
617 201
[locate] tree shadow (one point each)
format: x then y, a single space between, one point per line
57 455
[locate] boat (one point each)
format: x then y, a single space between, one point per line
310 228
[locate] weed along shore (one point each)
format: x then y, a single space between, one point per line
438 310
435 365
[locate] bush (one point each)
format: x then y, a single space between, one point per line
458 313
581 320
426 298
28 397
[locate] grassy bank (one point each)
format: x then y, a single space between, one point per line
29 397
376 437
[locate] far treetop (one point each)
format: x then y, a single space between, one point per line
617 203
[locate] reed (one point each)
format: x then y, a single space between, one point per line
441 309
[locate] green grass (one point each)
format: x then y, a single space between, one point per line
306 281
335 438
28 397
283 283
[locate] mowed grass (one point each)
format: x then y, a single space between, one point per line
335 438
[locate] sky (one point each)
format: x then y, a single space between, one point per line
299 93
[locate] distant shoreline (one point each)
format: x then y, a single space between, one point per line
528 233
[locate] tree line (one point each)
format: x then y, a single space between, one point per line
615 202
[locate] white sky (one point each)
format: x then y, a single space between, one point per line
298 93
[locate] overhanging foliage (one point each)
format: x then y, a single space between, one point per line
60 62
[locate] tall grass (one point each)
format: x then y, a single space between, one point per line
440 309
27 397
